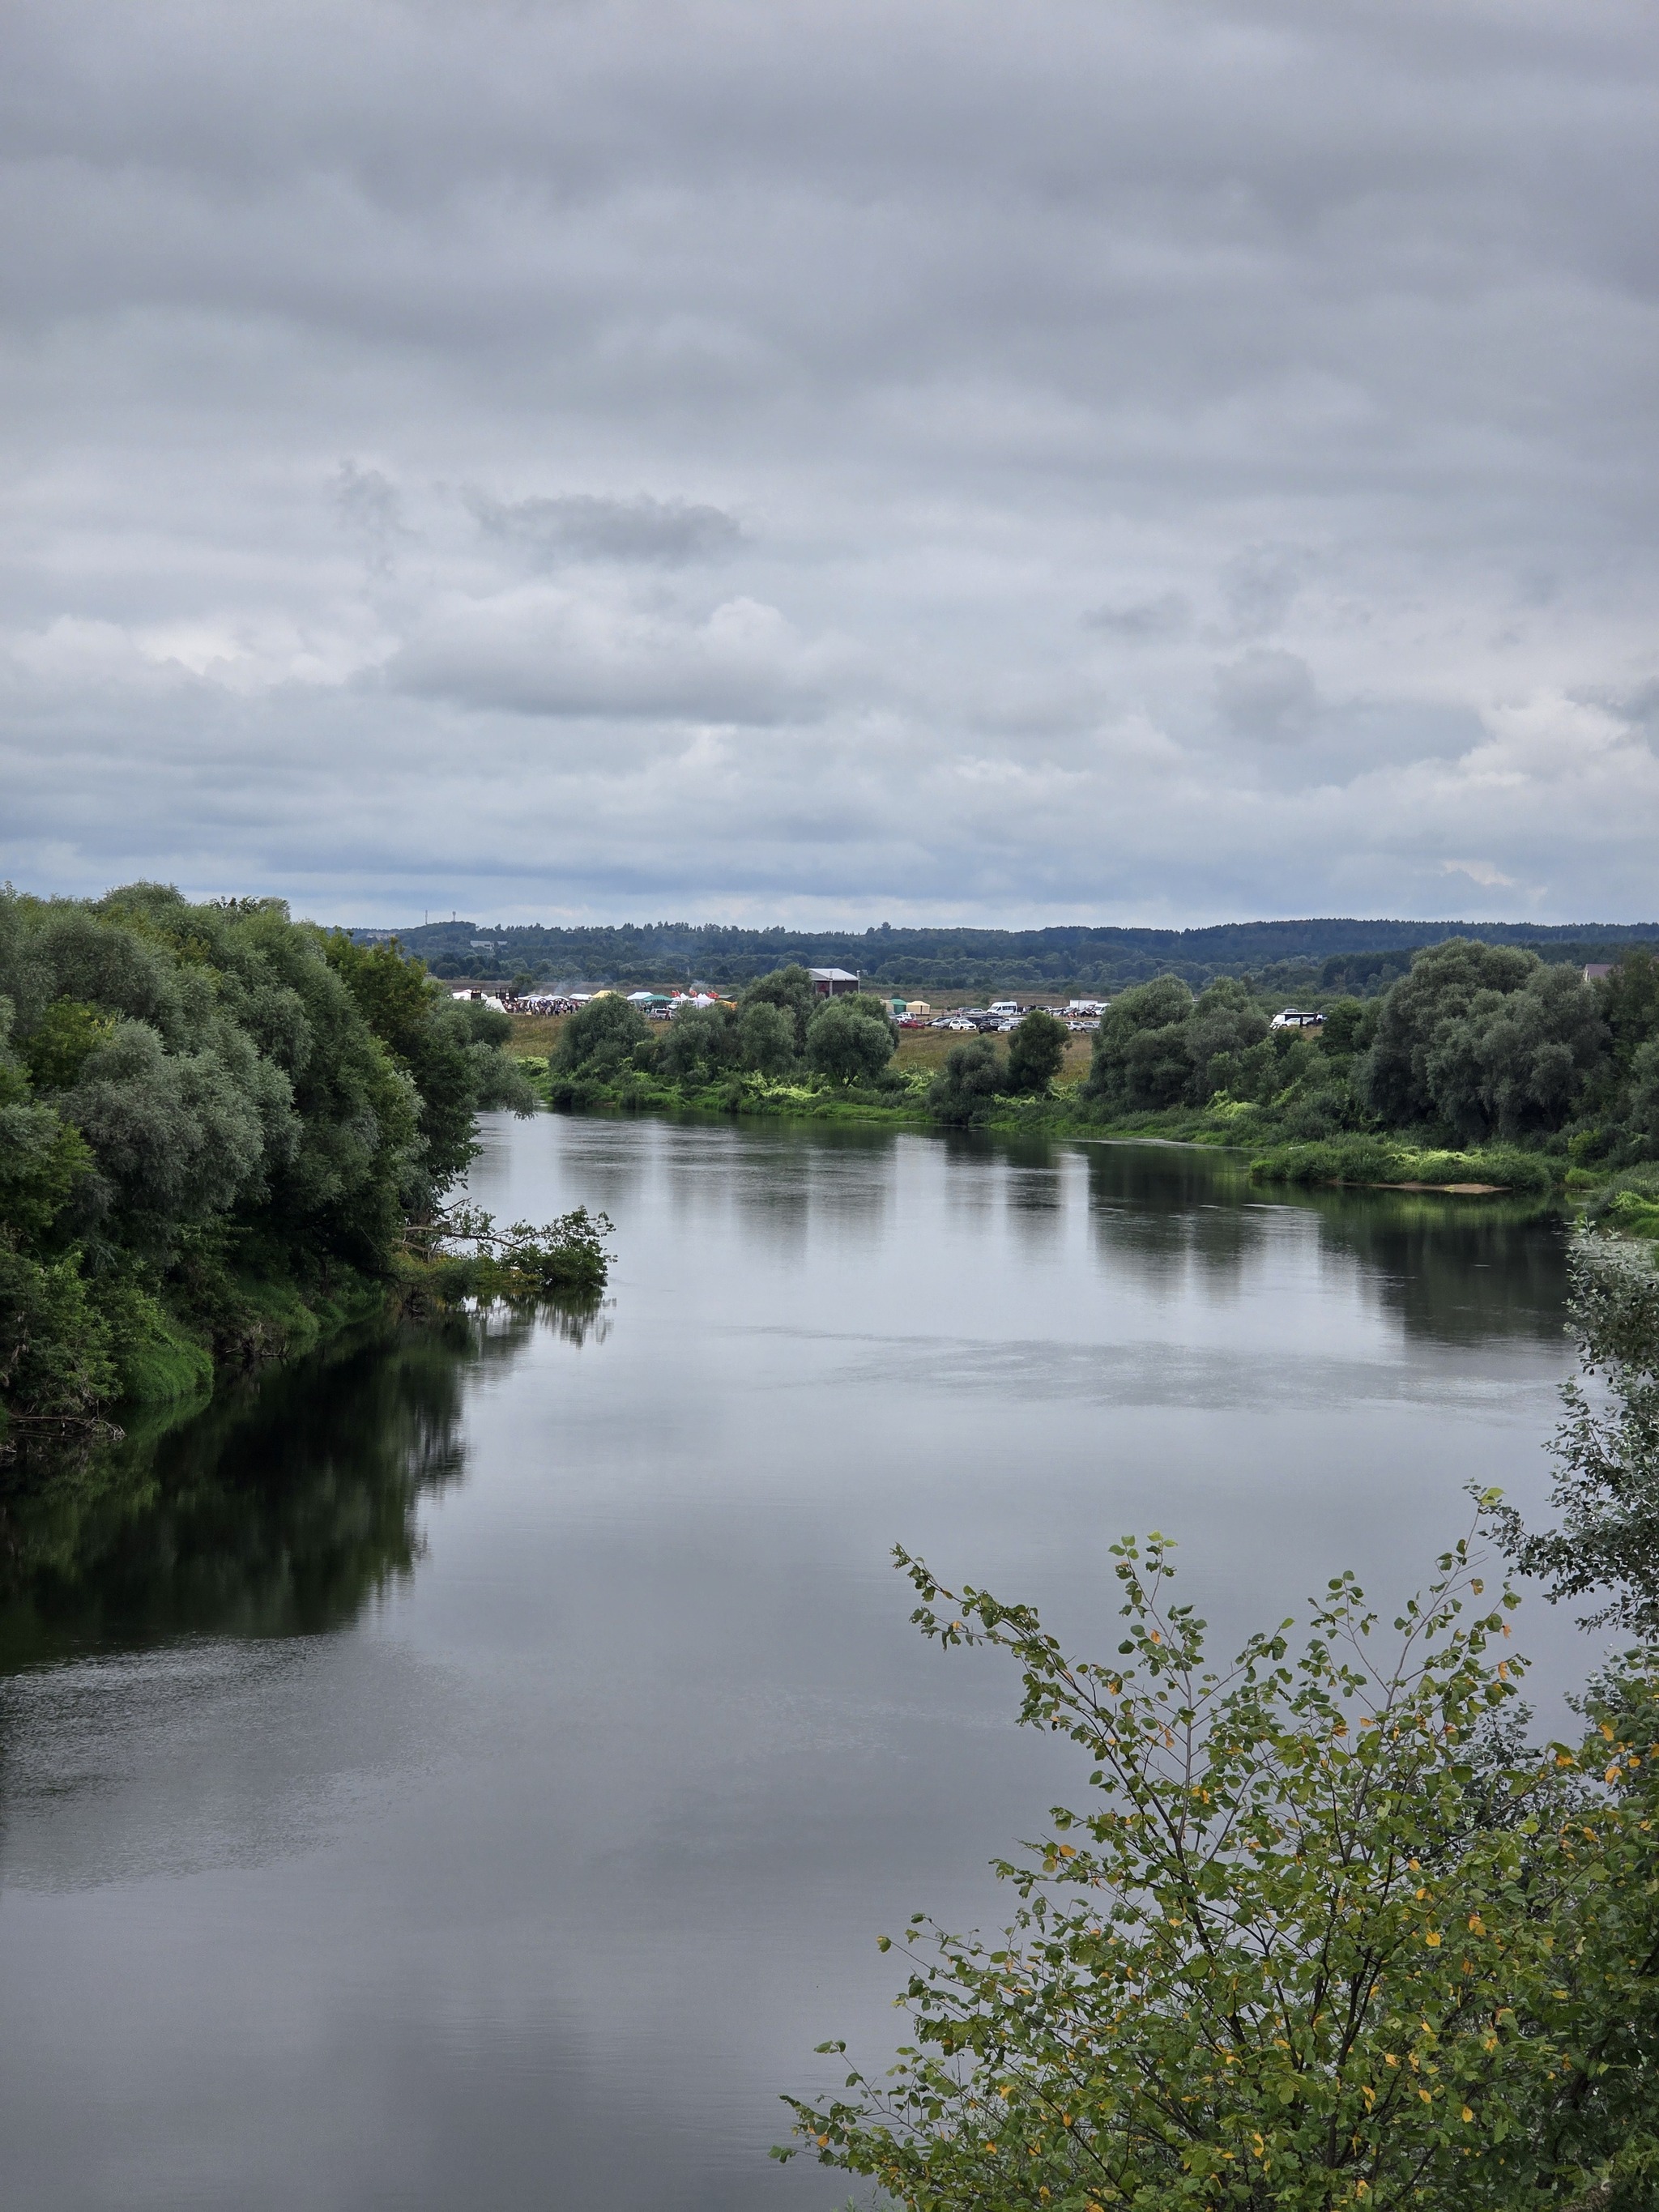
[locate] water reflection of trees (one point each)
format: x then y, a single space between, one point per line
279 1509
1455 1271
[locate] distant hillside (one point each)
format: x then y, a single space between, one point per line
1344 955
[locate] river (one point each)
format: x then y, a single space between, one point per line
471 1769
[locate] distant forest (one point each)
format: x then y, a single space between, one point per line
1357 958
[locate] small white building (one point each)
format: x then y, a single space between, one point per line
830 982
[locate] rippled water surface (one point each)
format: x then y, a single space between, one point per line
470 1770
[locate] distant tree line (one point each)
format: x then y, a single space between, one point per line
1338 954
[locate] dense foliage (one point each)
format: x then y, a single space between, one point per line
1607 1452
1326 1934
215 1126
780 1029
966 1088
1478 1044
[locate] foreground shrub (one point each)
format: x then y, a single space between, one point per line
1324 1936
1607 1450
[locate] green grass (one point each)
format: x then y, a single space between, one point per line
1378 1160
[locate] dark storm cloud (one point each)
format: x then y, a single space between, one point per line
1190 458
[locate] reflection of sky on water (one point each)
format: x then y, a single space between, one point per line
532 1866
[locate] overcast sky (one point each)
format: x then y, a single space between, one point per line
1135 460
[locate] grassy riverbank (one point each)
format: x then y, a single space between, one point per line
902 1101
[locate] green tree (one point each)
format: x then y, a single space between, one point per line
1607 1450
1036 1051
850 1039
1350 1027
791 990
766 1038
966 1089
1325 1935
1640 1102
1226 1023
1629 1001
210 1116
602 1038
1486 1040
1140 1060
455 1050
701 1045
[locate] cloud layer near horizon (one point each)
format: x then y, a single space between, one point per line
1163 462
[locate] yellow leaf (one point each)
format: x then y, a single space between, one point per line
1432 1940
1468 2114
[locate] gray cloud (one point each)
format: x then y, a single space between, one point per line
1168 615
1268 695
1285 334
1261 583
578 524
371 510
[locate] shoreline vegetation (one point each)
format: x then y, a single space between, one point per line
1479 1070
225 1137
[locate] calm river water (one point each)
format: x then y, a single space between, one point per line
471 1772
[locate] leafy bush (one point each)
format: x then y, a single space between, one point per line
1607 1450
1140 1061
966 1089
602 1038
701 1046
790 990
766 1038
1325 1934
1036 1050
850 1039
564 1258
